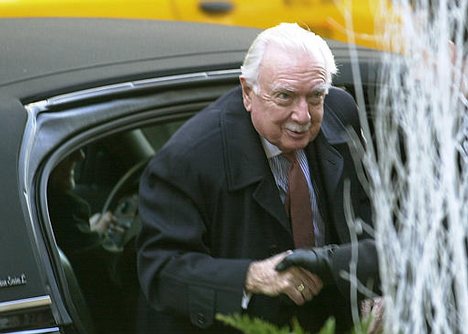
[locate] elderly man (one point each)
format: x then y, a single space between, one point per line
259 172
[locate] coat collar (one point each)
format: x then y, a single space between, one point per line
332 135
244 157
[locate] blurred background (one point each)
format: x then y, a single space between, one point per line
334 19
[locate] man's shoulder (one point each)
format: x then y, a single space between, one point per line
341 104
337 96
207 123
232 97
340 113
202 134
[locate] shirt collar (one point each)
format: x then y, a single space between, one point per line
270 149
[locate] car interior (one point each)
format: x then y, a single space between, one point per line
106 179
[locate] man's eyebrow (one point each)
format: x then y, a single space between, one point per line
323 88
282 87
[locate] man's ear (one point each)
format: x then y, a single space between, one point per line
247 92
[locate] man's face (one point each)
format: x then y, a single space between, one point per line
287 110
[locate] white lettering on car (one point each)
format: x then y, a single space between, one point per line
13 280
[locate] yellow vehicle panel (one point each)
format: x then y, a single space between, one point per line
325 17
145 9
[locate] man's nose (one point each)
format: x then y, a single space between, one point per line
301 111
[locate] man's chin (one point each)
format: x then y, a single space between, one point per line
294 146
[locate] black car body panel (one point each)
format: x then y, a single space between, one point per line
41 57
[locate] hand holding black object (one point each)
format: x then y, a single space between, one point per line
316 260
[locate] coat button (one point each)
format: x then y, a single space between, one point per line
201 320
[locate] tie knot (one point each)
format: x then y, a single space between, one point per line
291 156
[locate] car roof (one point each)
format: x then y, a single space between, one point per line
44 56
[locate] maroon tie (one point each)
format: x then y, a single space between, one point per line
298 205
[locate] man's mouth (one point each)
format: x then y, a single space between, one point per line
297 128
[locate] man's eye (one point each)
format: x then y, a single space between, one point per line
316 97
283 96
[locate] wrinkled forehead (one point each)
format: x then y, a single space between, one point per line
275 56
278 64
292 54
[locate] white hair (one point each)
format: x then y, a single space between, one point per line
292 38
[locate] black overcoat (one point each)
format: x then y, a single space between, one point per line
210 206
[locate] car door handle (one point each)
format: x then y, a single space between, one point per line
216 7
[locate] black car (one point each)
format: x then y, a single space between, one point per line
114 91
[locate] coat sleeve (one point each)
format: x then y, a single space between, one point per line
364 257
177 270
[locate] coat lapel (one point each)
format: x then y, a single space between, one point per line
330 163
272 204
332 136
245 159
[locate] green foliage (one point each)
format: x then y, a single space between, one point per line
329 327
249 325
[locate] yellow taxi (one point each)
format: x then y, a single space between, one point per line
333 19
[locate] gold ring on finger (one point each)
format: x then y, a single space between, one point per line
300 287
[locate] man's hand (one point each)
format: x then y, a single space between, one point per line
298 284
101 223
315 260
